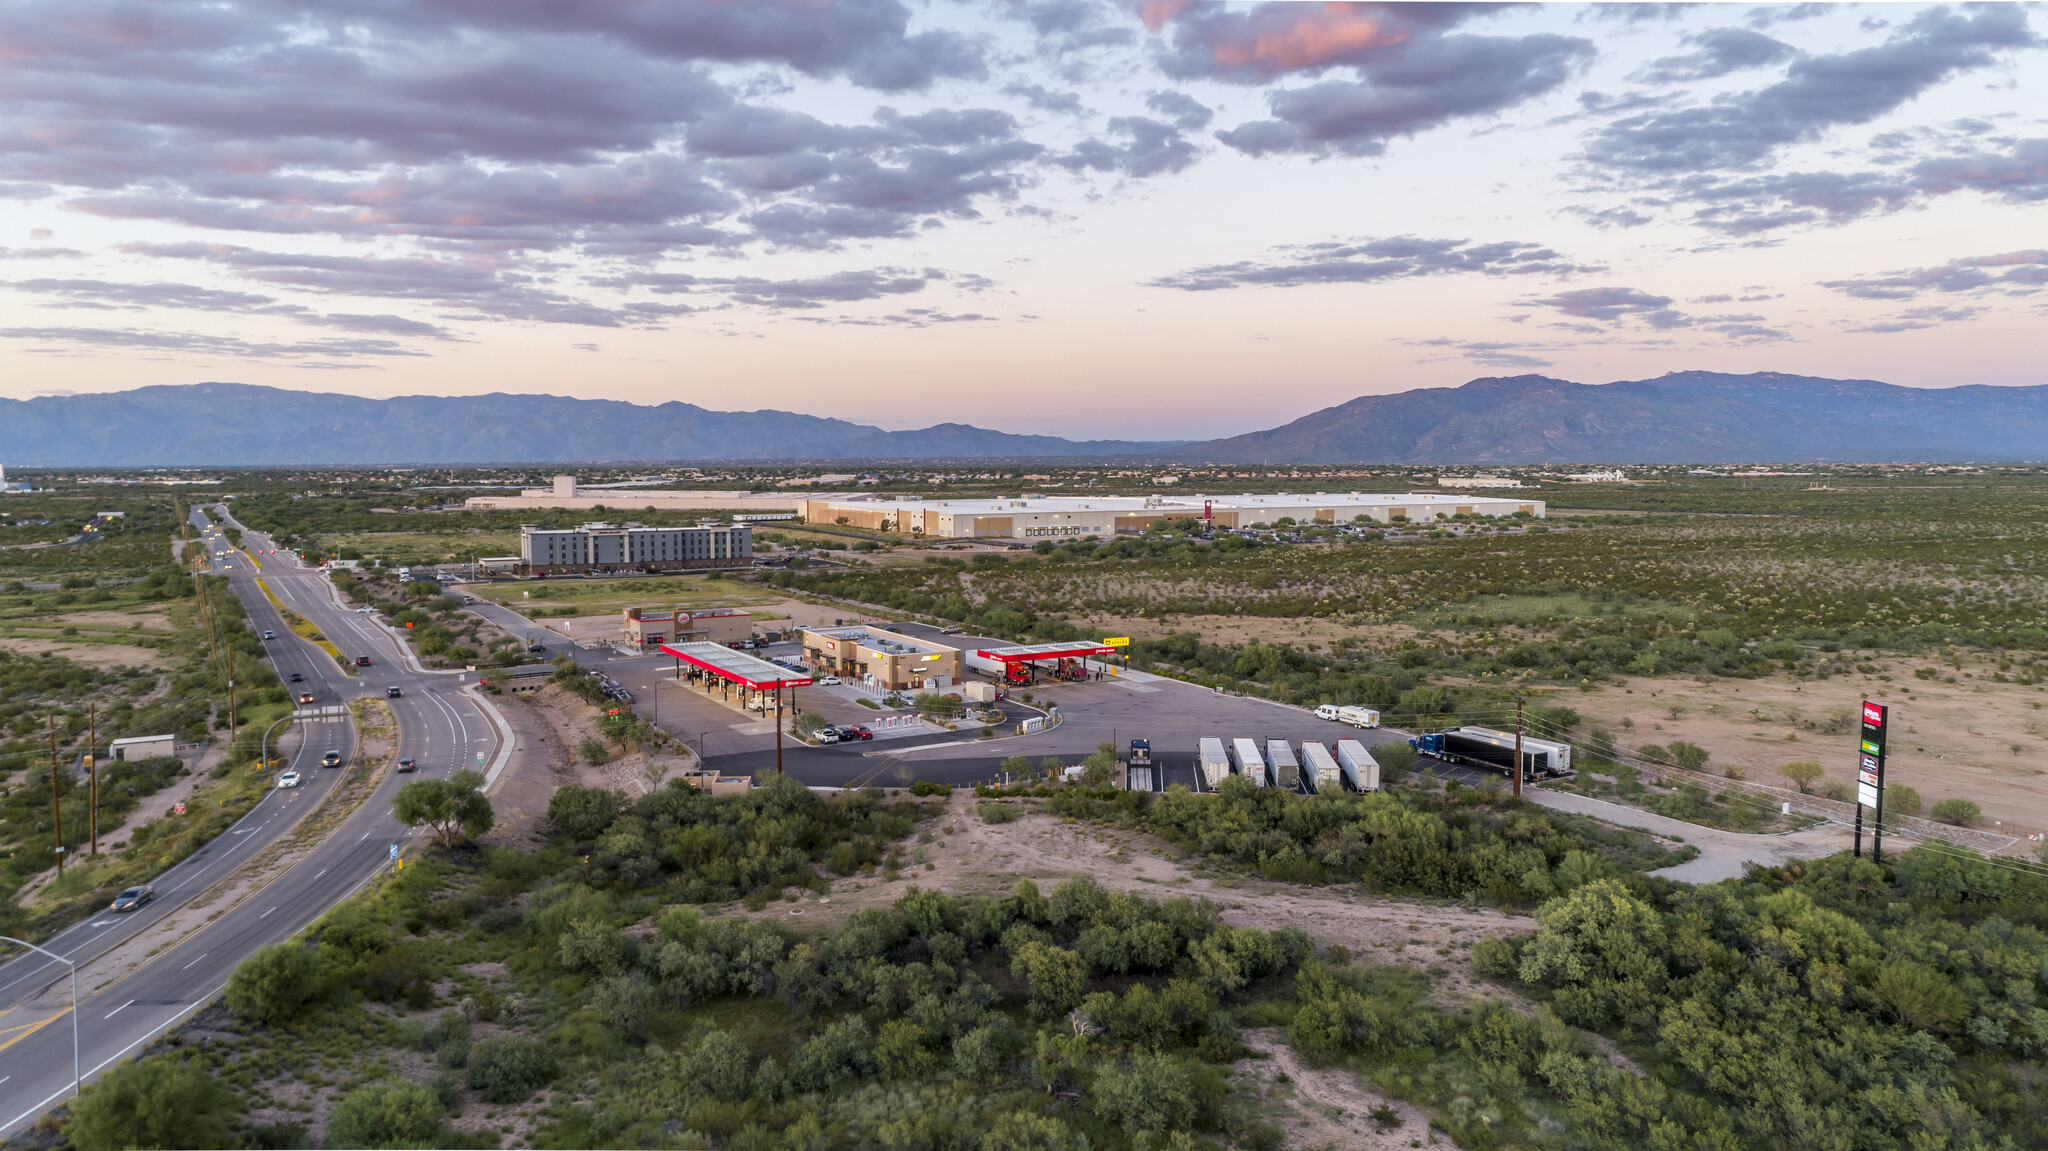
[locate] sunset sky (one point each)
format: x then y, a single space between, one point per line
1152 220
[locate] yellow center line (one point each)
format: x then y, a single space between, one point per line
28 1029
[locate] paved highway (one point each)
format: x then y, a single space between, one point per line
438 726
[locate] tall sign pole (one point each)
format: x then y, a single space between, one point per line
1870 777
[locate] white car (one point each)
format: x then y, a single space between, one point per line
288 779
828 680
1327 711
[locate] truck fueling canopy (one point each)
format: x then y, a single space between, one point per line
735 666
1034 652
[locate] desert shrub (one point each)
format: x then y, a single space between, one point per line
161 1102
1961 812
388 1115
271 985
508 1069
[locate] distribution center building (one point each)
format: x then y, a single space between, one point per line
1071 517
600 547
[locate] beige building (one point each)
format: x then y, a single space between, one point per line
1035 517
647 628
882 659
565 493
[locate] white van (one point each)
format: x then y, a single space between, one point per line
1327 711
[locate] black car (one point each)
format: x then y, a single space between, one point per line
407 765
133 898
295 677
331 759
391 693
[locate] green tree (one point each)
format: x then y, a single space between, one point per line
939 707
1148 1095
1689 755
1602 949
158 1102
271 985
594 752
717 1066
387 1115
1961 812
1900 800
453 807
1057 978
1803 773
583 812
1099 766
508 1069
900 1052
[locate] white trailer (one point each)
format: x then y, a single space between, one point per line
1249 761
1320 769
1212 764
1361 771
1358 716
1285 769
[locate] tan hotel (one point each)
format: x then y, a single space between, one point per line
1053 517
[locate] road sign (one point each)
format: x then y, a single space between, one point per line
394 851
1117 641
1870 776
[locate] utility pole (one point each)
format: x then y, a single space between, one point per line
1518 749
92 774
56 808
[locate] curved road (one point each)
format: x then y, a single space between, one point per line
438 726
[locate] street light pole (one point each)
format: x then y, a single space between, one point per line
76 1078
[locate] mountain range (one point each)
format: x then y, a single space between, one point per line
1682 417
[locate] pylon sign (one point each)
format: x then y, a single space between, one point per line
1870 775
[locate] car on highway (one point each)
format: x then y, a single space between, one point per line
362 661
391 692
407 765
827 680
133 898
331 759
305 697
295 677
269 635
288 779
365 610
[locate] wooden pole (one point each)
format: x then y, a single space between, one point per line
1518 749
56 808
92 770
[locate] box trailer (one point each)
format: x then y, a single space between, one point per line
1358 716
1486 747
1319 769
1211 763
1283 770
1249 761
1361 772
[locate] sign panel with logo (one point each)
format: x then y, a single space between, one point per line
1870 774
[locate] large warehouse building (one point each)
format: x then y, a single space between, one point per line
567 494
600 547
1068 517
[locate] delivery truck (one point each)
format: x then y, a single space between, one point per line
1319 770
1138 770
1361 772
1283 770
1358 716
1249 762
1211 763
1485 747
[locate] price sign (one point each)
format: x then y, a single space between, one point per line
1870 772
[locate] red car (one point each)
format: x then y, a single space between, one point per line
858 731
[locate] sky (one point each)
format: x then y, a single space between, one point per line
1131 220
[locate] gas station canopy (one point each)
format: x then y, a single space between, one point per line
1036 652
736 666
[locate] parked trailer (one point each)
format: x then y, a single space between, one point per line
1486 747
1249 761
1320 771
1358 716
1360 771
1139 774
1212 764
1283 770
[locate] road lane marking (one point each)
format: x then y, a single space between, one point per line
188 966
266 914
32 1029
323 871
120 1009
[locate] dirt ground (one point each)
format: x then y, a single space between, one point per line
145 617
1947 740
781 613
1321 1107
562 722
100 655
967 856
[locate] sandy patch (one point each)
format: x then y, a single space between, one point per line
1948 740
1321 1107
99 655
147 617
977 858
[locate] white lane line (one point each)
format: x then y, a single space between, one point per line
266 914
323 871
188 966
120 1009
